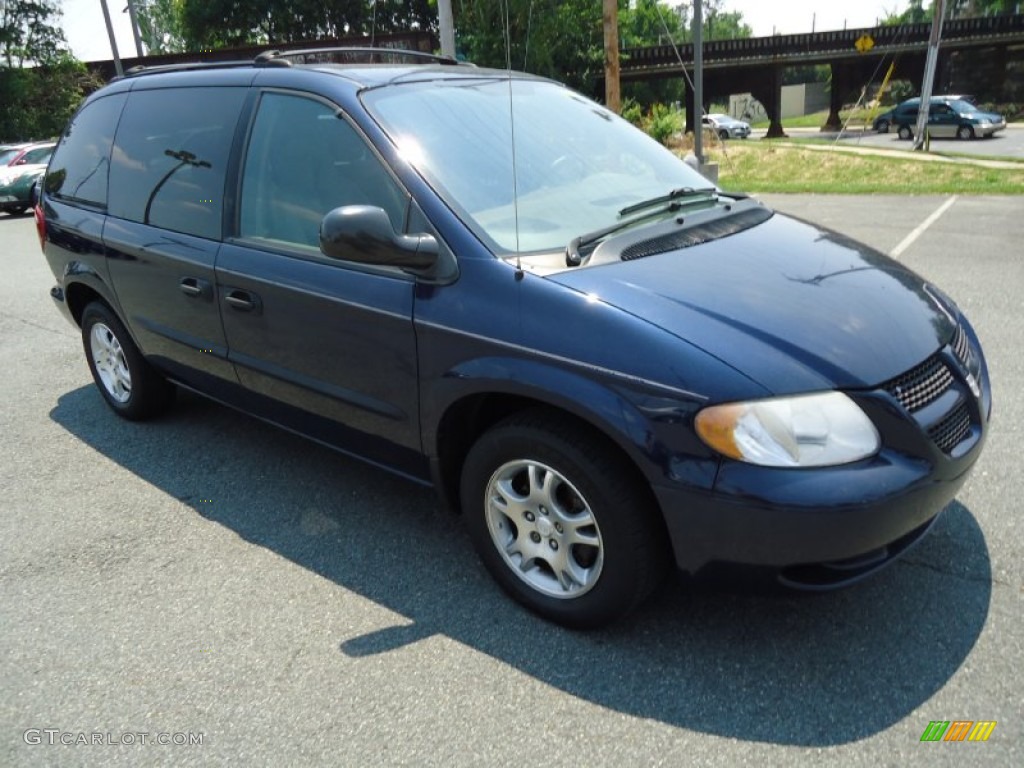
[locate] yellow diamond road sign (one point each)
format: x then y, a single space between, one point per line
864 43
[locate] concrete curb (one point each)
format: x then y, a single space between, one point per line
927 157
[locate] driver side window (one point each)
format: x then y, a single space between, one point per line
302 161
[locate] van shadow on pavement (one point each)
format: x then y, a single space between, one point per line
788 669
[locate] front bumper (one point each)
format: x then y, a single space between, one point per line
830 526
783 518
988 129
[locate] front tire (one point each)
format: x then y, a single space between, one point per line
883 126
130 385
905 133
965 132
559 522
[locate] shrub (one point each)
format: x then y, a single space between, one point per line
633 112
663 123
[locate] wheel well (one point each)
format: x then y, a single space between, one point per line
78 297
467 419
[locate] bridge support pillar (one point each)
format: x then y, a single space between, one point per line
768 90
840 85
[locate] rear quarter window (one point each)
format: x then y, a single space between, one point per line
170 157
79 168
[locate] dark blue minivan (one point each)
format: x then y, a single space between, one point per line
484 281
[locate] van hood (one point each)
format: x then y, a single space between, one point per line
791 305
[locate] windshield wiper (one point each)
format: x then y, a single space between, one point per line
573 257
675 194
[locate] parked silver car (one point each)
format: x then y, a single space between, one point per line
726 127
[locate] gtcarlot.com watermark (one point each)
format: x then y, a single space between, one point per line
53 736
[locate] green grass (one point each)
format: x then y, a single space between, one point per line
857 118
813 120
765 166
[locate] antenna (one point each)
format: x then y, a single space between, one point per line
512 126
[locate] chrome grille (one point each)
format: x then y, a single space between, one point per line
948 433
921 385
960 345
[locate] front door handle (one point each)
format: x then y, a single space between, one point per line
242 300
194 286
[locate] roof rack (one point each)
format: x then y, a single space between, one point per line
143 69
330 55
349 55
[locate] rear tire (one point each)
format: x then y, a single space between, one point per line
130 385
905 133
965 133
723 134
559 522
17 210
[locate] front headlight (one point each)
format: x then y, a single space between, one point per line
803 431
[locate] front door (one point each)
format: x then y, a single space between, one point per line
327 346
943 121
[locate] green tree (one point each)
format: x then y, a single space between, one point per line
42 98
720 24
160 25
972 8
653 22
40 83
29 33
218 23
563 39
917 13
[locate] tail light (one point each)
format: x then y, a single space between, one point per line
40 225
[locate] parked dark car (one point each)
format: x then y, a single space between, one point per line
947 118
884 120
26 166
603 362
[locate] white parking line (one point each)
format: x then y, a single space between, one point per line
920 230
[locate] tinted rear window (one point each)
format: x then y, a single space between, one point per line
170 158
78 171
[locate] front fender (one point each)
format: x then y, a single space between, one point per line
651 423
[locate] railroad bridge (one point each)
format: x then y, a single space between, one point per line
978 56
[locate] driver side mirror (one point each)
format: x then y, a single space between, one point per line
363 233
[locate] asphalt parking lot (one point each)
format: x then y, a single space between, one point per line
208 576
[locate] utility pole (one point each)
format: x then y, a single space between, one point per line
698 81
446 25
113 42
135 28
612 94
929 74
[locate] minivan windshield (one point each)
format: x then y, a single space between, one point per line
577 165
